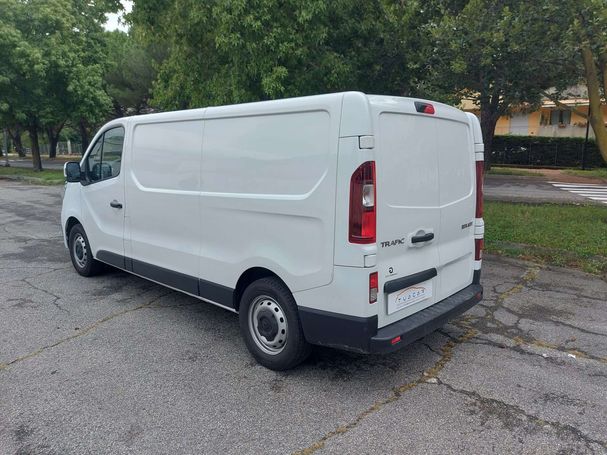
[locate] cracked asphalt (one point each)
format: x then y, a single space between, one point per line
116 364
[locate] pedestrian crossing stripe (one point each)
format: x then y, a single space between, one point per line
592 191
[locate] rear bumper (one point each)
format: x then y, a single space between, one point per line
362 335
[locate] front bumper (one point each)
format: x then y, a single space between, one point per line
358 334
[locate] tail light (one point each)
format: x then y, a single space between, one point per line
362 204
373 287
480 169
478 242
424 108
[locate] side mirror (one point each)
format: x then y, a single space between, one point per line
71 171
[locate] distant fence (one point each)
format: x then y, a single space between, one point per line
545 151
63 148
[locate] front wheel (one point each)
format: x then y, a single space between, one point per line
81 253
270 326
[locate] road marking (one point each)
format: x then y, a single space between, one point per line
592 191
578 184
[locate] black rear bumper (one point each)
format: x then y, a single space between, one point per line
362 335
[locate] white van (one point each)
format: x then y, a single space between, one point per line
343 220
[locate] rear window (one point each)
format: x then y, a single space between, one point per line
455 160
424 161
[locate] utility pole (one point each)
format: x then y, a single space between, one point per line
586 140
5 134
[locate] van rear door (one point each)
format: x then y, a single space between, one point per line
425 211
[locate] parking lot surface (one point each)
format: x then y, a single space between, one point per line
116 364
514 188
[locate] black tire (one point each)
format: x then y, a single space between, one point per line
269 298
81 253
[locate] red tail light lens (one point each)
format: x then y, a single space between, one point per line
480 170
373 287
424 108
478 243
362 204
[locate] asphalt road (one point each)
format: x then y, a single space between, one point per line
46 164
116 364
514 188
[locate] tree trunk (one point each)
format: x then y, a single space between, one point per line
53 139
489 117
594 97
118 111
84 135
6 142
36 161
15 135
6 146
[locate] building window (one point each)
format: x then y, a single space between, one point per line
560 117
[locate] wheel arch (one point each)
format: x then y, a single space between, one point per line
248 277
69 224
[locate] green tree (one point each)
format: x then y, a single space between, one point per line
53 65
130 72
500 55
584 23
90 103
238 51
21 71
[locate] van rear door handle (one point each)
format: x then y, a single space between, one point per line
116 204
422 238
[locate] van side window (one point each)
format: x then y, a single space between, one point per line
112 151
106 156
93 162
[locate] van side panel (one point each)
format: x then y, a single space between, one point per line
162 196
268 193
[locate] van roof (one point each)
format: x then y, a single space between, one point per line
356 103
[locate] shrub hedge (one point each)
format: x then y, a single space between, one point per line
545 151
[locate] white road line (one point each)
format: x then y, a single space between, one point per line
577 184
591 194
592 191
585 188
587 192
593 187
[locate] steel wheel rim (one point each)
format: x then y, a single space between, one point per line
79 251
265 316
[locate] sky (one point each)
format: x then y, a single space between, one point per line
113 20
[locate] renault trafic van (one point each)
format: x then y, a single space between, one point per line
344 220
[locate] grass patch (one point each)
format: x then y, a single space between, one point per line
46 177
599 172
562 235
513 171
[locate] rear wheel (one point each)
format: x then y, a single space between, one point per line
269 322
81 253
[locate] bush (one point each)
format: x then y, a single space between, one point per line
545 151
